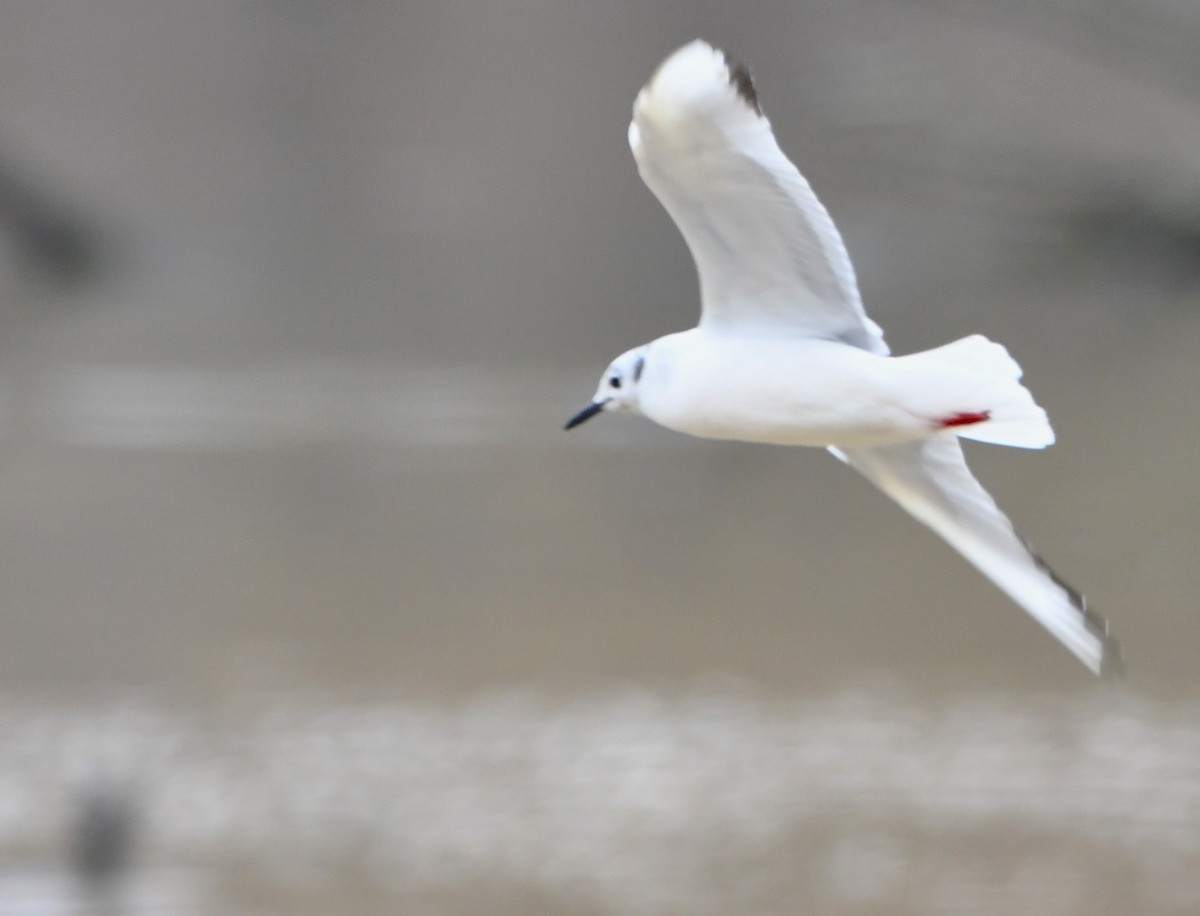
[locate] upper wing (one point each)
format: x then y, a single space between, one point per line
766 250
930 479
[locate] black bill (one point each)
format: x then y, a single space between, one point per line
586 414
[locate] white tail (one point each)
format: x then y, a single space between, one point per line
988 380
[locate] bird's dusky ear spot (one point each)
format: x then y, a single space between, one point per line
638 367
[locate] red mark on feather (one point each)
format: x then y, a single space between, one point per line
965 419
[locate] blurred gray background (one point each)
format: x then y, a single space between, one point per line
308 604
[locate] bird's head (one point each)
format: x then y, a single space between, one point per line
618 388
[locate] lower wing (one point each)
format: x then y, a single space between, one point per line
931 480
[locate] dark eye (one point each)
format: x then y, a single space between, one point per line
615 381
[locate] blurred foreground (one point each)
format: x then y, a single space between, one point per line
714 800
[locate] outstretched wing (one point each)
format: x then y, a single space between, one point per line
931 480
768 255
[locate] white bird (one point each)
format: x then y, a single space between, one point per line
784 352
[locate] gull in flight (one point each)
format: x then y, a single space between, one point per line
785 354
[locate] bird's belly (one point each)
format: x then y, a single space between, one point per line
819 428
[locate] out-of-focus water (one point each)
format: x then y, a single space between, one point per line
709 800
308 604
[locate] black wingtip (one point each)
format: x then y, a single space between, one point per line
743 85
1112 661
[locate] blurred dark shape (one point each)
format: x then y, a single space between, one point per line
1139 239
50 238
102 841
